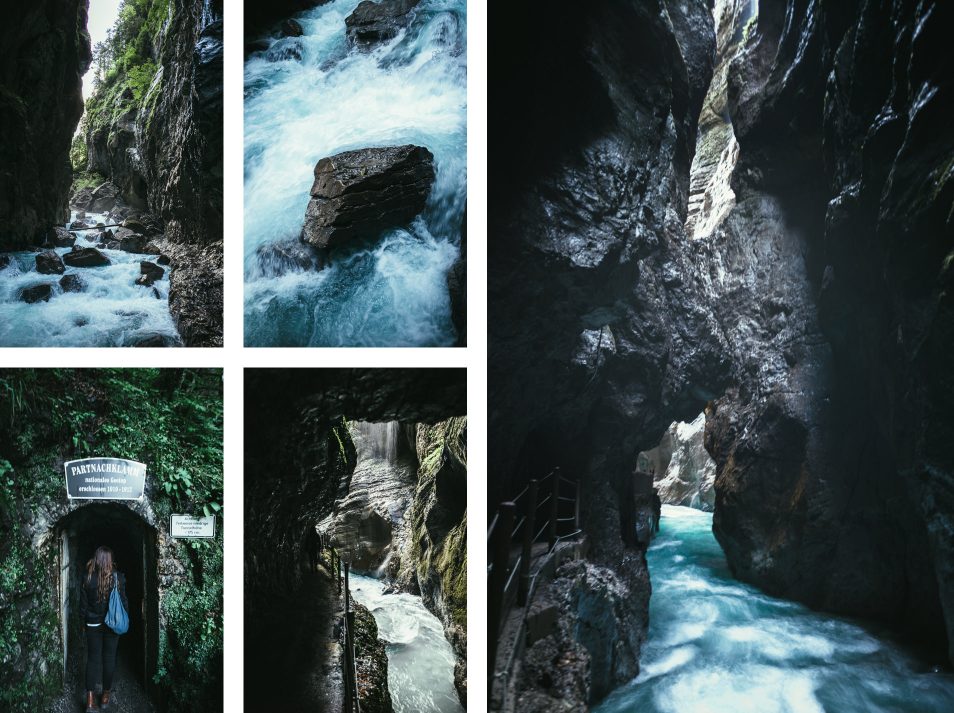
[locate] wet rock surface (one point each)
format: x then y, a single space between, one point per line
44 51
36 293
358 194
812 317
684 470
842 454
195 290
597 338
85 257
49 262
375 22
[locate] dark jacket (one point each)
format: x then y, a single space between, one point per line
93 611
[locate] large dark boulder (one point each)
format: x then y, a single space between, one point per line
360 193
85 257
104 198
59 237
374 22
133 244
49 262
71 283
44 52
36 293
149 272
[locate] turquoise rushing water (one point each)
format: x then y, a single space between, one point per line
420 661
314 96
718 646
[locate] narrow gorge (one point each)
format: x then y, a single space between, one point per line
367 516
749 231
112 212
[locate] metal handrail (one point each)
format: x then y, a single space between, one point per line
504 572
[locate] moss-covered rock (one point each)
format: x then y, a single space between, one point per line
371 663
438 562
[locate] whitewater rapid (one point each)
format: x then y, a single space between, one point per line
420 661
313 96
718 646
111 311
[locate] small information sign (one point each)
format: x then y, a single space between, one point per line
105 479
192 527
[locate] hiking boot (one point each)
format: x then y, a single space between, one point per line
104 703
91 706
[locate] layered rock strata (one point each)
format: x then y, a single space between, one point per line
358 194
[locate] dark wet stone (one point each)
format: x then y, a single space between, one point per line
359 194
85 257
36 293
71 283
49 262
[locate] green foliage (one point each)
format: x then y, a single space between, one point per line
126 62
78 153
87 179
190 652
170 419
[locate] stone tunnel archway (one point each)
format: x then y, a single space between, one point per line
133 541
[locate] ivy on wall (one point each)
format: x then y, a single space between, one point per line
170 419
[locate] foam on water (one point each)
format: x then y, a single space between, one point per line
718 646
420 661
111 311
412 89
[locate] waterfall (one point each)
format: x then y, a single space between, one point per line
420 661
721 646
376 440
314 96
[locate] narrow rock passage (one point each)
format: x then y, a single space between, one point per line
718 646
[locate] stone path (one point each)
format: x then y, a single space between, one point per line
128 694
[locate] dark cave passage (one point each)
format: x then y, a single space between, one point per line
135 555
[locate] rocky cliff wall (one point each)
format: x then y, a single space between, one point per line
588 228
833 484
811 319
44 52
153 127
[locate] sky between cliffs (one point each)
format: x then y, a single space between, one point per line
102 16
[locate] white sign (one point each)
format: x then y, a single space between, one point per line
190 526
104 479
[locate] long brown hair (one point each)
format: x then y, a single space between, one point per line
101 565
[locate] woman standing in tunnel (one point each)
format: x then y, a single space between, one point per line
101 641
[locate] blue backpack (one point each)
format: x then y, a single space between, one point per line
116 618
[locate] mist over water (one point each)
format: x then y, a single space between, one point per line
420 661
718 646
334 98
111 311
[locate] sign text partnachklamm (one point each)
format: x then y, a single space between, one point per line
105 479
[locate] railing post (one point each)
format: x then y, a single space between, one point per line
576 505
347 587
353 693
523 587
554 508
500 559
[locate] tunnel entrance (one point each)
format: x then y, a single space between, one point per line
133 542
